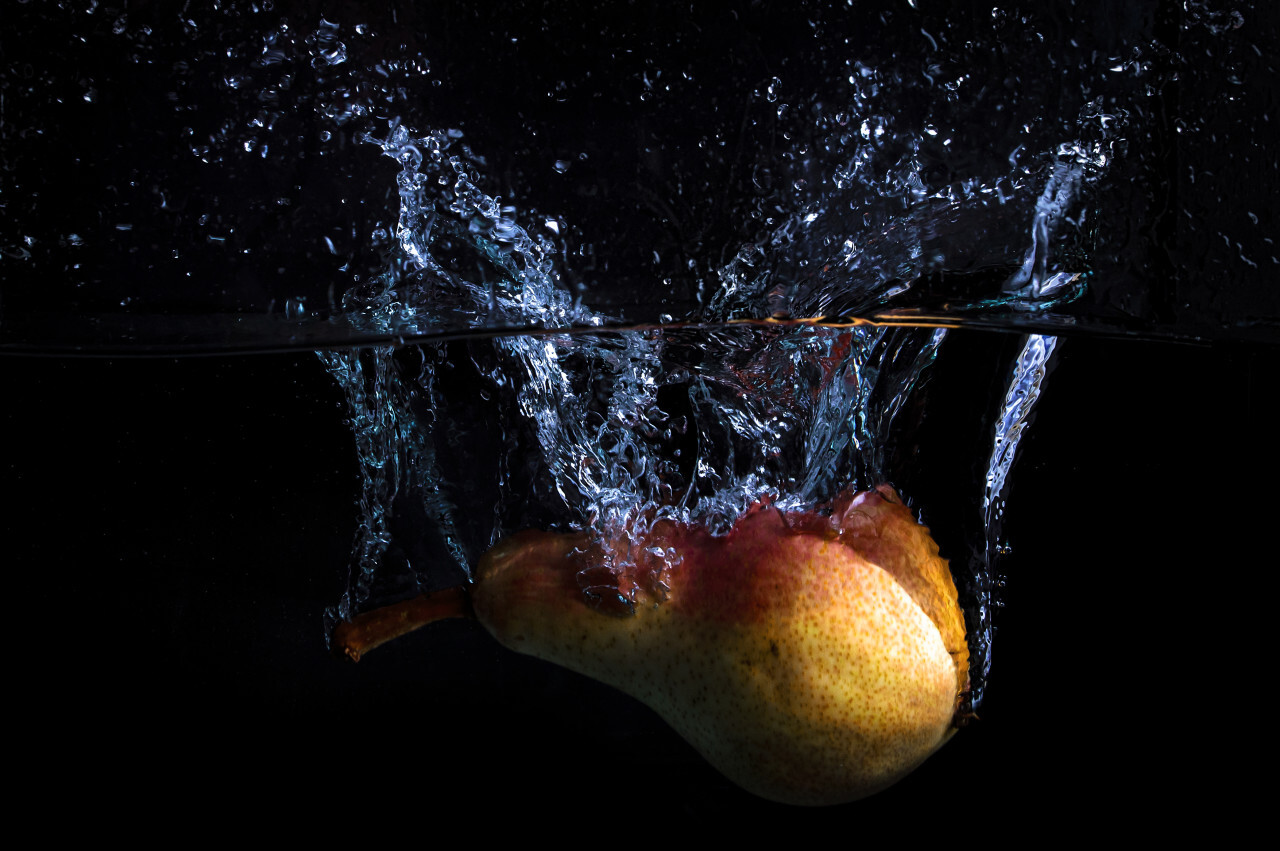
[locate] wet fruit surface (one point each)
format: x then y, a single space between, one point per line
791 652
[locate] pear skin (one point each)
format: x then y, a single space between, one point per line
811 659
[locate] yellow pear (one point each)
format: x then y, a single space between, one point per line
812 659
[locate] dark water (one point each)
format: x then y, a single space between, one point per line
230 180
179 526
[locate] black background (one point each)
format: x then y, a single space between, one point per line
174 529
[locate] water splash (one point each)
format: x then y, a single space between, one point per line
895 168
600 429
579 422
1026 383
462 259
397 457
876 221
842 162
610 431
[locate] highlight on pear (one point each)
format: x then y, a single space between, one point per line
812 657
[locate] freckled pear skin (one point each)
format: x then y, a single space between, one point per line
812 660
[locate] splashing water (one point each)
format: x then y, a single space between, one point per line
633 337
612 429
969 166
1025 386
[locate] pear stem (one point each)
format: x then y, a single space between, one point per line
369 630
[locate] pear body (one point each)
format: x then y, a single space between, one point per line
801 668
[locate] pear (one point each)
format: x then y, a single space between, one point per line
812 659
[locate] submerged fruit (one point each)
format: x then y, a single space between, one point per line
812 659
